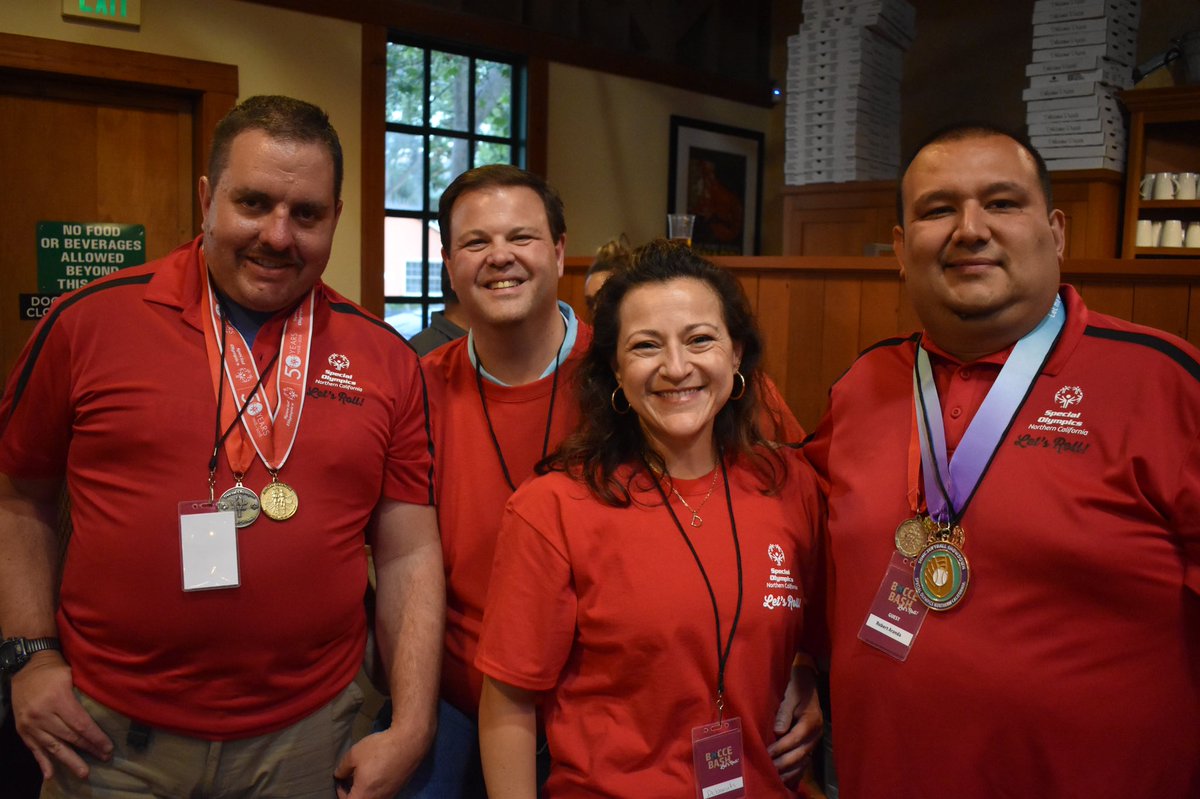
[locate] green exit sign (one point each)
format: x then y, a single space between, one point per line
116 12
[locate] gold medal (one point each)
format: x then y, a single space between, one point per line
243 502
912 536
279 501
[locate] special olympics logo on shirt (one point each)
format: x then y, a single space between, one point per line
293 361
1067 396
254 409
775 553
339 362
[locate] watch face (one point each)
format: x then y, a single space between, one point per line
8 656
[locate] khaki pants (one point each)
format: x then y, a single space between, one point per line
294 763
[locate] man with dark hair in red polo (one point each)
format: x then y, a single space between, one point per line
1014 514
231 431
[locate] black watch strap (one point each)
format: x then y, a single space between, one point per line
15 652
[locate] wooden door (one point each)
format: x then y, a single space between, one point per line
75 154
97 134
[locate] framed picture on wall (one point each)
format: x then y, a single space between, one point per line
715 173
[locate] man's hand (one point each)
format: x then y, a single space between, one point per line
378 766
799 723
50 719
411 607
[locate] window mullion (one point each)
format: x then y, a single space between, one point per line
426 200
423 131
472 128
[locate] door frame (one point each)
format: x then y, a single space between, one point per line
211 87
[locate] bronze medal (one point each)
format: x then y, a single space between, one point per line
243 502
952 535
279 501
912 536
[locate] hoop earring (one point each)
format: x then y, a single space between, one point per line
738 373
613 401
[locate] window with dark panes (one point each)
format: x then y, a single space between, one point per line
447 110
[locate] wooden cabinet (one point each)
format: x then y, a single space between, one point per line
857 218
1164 136
838 218
1091 200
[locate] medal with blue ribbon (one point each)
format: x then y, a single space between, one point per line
941 573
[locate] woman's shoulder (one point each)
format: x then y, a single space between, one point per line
775 470
550 489
567 491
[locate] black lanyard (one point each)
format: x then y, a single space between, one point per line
487 417
722 657
219 437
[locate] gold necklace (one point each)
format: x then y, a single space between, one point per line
697 519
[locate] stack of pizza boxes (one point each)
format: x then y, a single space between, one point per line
843 90
1084 53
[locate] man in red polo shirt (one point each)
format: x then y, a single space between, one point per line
231 431
1014 514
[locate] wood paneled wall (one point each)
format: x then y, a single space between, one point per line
818 313
857 218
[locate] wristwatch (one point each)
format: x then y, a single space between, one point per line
15 652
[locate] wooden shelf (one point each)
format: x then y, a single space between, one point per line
1166 252
1172 205
1164 136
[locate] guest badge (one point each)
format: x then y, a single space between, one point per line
896 613
208 544
717 756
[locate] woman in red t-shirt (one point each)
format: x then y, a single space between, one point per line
649 587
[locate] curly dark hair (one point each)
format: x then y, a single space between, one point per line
607 440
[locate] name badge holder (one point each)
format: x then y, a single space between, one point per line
896 613
718 758
208 546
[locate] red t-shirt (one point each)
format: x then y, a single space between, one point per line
471 489
605 610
